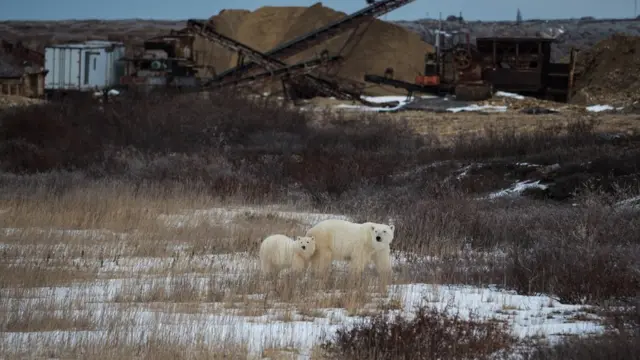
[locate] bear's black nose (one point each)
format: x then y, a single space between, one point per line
378 238
303 247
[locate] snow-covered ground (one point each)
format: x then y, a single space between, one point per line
403 101
209 298
517 189
601 108
475 107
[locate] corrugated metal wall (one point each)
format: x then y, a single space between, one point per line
85 66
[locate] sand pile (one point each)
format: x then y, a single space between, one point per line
609 73
213 56
382 45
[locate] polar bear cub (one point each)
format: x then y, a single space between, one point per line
279 252
357 243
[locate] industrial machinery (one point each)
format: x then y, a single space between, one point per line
296 78
474 71
523 65
454 67
166 61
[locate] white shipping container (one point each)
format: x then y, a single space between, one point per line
91 65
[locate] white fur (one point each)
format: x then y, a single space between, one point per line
357 243
279 252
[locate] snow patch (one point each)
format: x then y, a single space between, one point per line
527 315
509 95
474 107
517 189
226 215
600 108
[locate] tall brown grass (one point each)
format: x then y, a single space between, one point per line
114 193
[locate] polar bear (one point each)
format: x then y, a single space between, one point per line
357 243
279 252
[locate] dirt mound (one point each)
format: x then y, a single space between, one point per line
215 57
374 48
609 72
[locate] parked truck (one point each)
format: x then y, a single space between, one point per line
87 67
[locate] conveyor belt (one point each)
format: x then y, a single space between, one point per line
250 53
324 87
291 70
322 34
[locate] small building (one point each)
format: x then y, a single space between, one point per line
21 77
87 66
22 52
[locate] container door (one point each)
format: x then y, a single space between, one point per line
91 75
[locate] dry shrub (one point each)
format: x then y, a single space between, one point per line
607 347
38 274
232 143
260 149
153 348
29 321
544 141
621 341
430 335
585 254
171 290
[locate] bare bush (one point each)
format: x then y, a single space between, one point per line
583 255
430 335
621 341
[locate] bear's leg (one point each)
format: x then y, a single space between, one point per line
321 263
298 264
356 267
266 266
382 260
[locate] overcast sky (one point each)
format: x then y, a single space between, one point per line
183 9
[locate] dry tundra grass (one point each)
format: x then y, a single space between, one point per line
107 236
119 274
134 232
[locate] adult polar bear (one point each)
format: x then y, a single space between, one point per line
357 243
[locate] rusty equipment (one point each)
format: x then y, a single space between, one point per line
473 72
267 62
272 60
453 68
287 71
166 61
523 65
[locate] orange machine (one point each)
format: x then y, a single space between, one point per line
427 80
431 72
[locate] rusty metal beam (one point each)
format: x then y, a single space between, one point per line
324 87
298 69
572 70
203 29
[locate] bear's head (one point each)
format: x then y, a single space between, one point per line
381 235
305 246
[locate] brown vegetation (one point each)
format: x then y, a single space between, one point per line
430 335
129 177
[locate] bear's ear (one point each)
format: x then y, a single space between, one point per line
373 227
313 238
392 227
297 238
